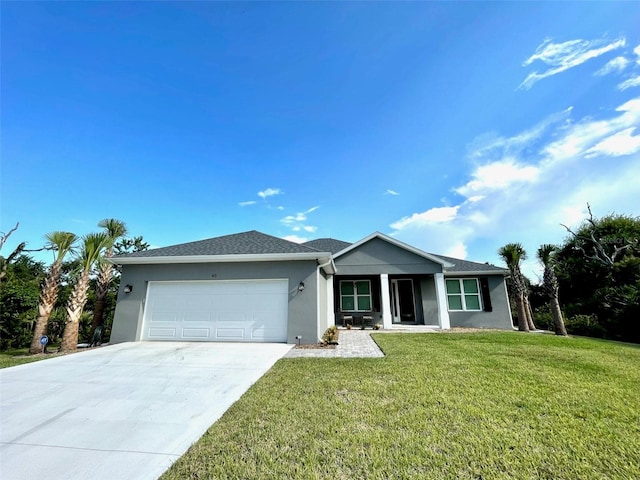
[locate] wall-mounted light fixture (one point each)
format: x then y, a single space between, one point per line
301 286
128 288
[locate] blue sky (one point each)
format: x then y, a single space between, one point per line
455 127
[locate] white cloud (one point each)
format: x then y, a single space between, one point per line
295 238
270 192
391 192
246 204
621 143
563 56
631 82
434 215
617 65
528 191
497 175
490 147
290 219
578 138
297 222
458 250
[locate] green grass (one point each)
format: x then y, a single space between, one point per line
463 406
18 356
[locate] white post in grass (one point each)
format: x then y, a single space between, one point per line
441 295
386 300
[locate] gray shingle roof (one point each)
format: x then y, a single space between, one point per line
257 243
467 266
246 243
327 245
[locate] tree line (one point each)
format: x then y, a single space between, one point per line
37 300
590 284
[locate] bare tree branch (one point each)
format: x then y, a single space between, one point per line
599 252
5 236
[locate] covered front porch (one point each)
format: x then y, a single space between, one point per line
390 299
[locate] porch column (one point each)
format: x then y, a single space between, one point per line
331 314
441 296
386 300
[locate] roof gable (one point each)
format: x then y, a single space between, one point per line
396 243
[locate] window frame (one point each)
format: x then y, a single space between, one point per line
463 294
356 296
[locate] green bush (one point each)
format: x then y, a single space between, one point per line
586 325
543 319
330 336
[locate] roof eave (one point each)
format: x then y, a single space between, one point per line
322 257
476 272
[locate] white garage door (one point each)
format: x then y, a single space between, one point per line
217 311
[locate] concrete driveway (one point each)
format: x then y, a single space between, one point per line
125 411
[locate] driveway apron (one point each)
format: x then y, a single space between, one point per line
125 411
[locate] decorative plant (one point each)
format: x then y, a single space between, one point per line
330 336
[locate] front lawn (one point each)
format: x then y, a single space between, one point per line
464 406
11 358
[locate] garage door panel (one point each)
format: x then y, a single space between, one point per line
168 302
197 316
217 311
195 333
157 316
265 334
199 301
230 333
158 333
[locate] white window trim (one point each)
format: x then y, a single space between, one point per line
462 295
356 296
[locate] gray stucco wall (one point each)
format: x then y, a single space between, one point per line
377 256
500 317
429 301
303 307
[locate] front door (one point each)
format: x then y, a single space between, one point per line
402 301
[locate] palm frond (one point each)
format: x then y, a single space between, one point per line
61 243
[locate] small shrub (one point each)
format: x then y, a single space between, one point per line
330 336
349 326
543 319
377 326
586 325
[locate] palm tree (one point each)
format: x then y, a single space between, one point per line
114 229
93 245
61 243
513 254
550 285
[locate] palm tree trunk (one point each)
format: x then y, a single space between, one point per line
556 313
523 325
44 312
74 308
528 312
48 296
102 288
